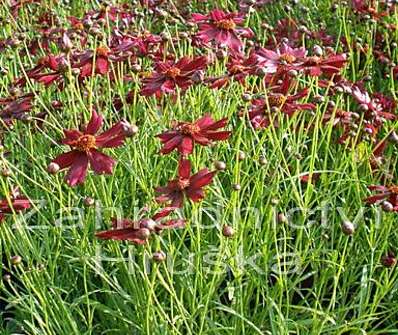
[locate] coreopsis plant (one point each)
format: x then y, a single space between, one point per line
185 185
169 75
225 29
184 135
85 149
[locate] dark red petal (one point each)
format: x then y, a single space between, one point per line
102 65
184 168
78 170
186 145
65 160
100 162
95 123
202 178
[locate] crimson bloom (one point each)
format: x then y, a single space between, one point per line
387 193
171 74
97 63
184 135
185 185
85 145
138 232
277 101
14 203
222 28
16 107
329 65
285 57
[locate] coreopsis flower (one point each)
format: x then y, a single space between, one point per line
16 107
13 203
139 232
58 66
238 67
284 58
339 117
262 110
172 74
97 62
225 29
376 108
327 65
184 135
85 151
387 193
140 44
186 185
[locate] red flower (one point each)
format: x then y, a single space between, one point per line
221 27
331 64
239 67
169 75
279 100
102 57
14 203
16 107
184 135
185 185
138 232
85 147
286 58
390 194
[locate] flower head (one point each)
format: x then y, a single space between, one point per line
222 28
184 135
186 185
172 74
85 147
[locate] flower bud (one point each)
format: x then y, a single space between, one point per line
16 260
130 130
387 206
236 187
88 201
144 233
53 168
348 228
220 165
228 231
159 256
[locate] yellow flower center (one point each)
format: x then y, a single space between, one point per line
227 24
276 100
188 128
85 143
287 58
102 51
393 189
183 183
173 72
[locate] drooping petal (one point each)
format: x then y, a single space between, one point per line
100 162
184 168
78 170
66 159
186 145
